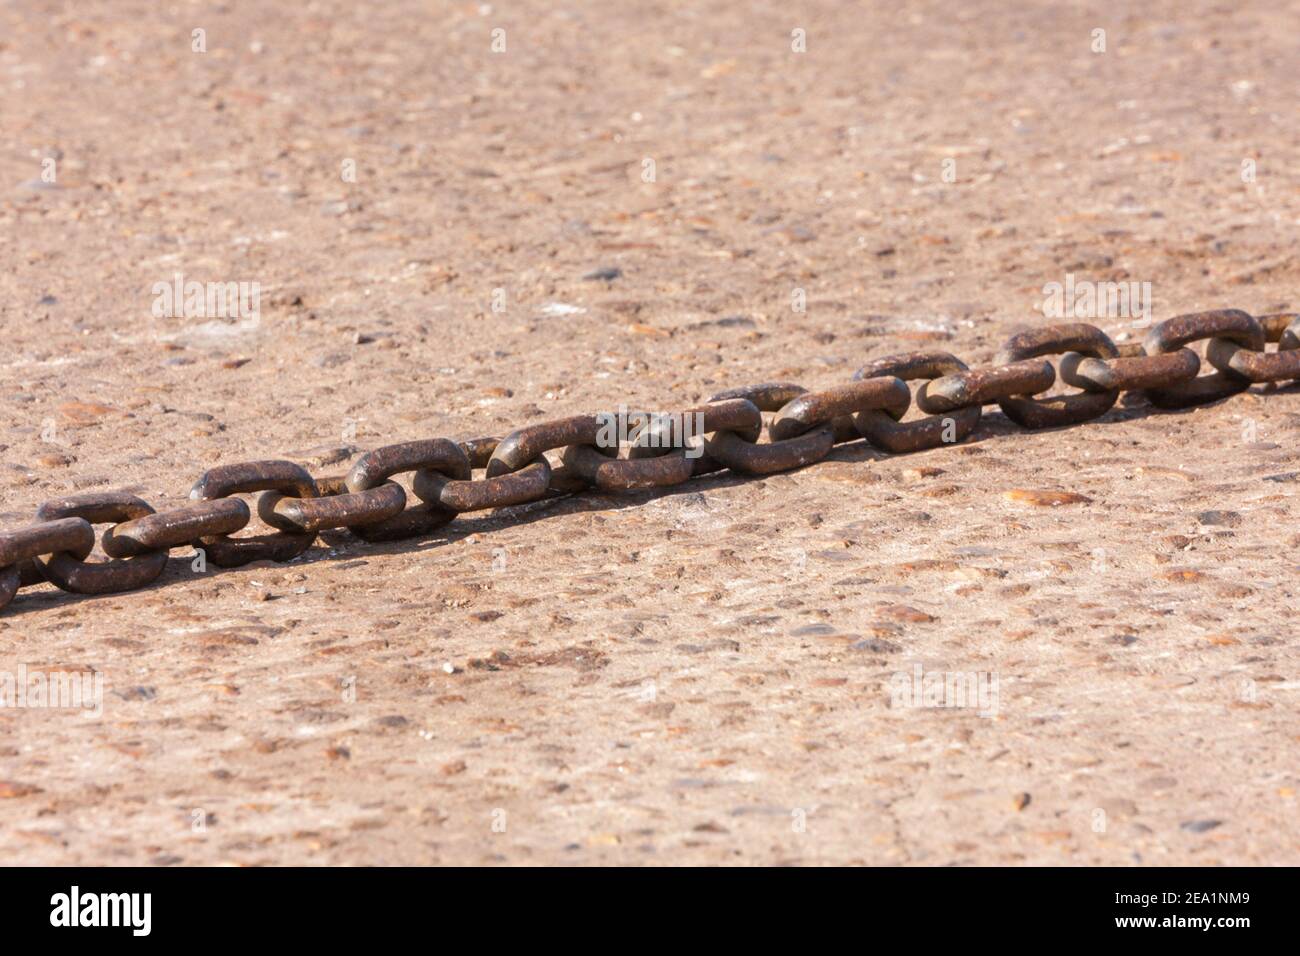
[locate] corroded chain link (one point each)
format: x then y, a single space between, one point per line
627 451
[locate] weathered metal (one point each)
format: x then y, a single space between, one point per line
1279 366
459 495
1230 325
20 547
884 428
636 450
980 386
244 478
1059 410
175 527
72 572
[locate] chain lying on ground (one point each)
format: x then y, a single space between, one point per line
804 428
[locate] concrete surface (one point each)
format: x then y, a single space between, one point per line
709 676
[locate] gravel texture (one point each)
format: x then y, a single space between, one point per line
452 241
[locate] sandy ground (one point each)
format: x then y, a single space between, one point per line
701 677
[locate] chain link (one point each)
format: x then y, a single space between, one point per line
459 495
981 386
1131 369
636 450
1232 358
20 548
176 526
1059 410
72 572
374 468
346 509
884 429
244 478
1223 325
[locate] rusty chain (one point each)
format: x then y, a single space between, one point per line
803 428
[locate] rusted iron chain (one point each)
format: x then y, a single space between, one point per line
624 451
178 526
1226 326
882 427
225 480
1231 357
1074 339
981 386
72 572
19 549
1131 369
744 454
458 495
375 468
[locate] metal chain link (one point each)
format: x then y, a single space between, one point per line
660 450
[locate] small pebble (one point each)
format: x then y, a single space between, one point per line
1045 498
10 789
1226 519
